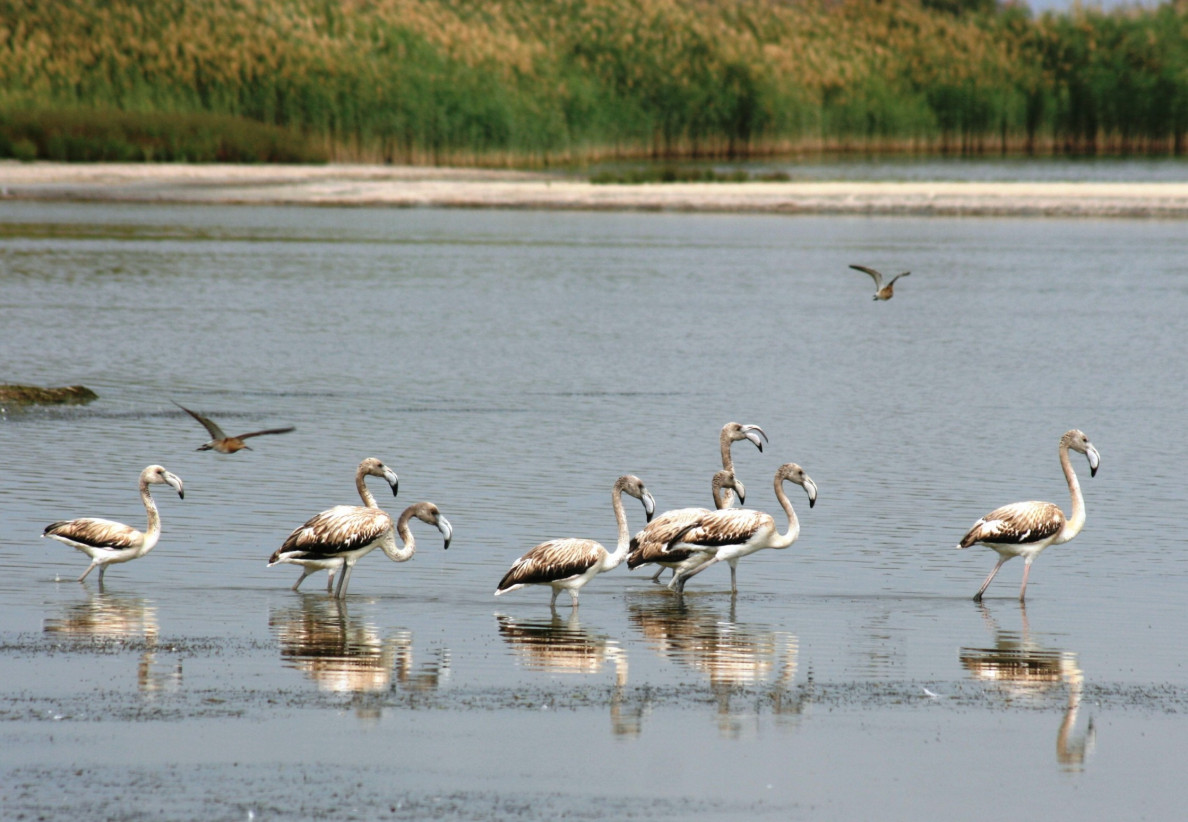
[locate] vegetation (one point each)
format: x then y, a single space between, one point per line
554 81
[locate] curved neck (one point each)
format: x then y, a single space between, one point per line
1076 520
723 497
409 547
361 487
727 459
153 531
789 536
624 535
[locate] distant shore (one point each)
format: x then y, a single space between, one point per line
407 186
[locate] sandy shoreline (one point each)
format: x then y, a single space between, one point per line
403 186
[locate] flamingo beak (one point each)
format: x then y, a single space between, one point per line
446 529
811 488
649 504
175 482
753 433
1094 459
392 479
742 492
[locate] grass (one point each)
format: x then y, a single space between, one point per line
550 82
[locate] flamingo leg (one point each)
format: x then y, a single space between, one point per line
656 576
553 601
330 580
573 593
94 564
1026 571
733 582
304 573
344 580
986 584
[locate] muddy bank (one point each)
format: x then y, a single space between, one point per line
397 186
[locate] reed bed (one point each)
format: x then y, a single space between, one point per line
562 81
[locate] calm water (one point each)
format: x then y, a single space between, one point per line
510 365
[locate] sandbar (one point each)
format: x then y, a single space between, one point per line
431 187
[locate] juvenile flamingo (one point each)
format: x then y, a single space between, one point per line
339 536
1023 529
107 542
651 544
734 533
570 563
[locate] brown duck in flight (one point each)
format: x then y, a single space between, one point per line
882 292
220 442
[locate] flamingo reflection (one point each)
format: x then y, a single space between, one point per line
1023 669
731 655
349 656
129 621
563 646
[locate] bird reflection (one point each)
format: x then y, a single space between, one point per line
1024 669
128 621
730 654
563 646
349 656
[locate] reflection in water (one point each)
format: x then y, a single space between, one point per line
1023 669
732 655
563 646
347 656
131 620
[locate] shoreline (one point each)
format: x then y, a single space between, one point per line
428 187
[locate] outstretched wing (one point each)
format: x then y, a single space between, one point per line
268 431
896 277
215 432
878 277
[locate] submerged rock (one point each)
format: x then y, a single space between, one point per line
35 395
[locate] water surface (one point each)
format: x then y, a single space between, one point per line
509 366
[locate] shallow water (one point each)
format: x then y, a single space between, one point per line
510 365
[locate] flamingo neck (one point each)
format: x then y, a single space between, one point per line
624 542
364 493
723 497
152 532
1076 520
409 547
788 537
727 459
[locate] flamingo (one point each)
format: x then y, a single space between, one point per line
571 563
107 542
734 533
1023 529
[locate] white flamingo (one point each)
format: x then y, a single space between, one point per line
568 564
107 542
734 533
1023 529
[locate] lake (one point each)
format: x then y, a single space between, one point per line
509 365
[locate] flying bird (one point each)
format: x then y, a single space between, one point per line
882 292
220 442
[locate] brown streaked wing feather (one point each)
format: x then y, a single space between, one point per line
651 543
727 527
1016 524
100 533
268 431
552 561
341 528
